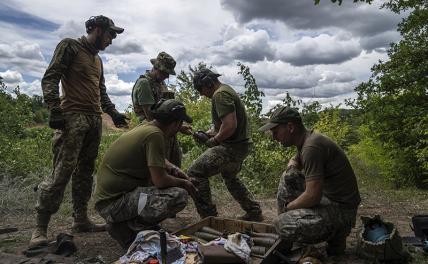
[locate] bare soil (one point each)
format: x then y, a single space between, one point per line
394 206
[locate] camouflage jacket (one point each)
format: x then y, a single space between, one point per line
78 66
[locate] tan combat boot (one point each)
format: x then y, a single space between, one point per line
82 224
39 236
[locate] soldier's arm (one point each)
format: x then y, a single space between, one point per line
61 60
310 197
162 180
106 103
227 127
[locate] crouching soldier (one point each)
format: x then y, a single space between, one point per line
318 194
137 187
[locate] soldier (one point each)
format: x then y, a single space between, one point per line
318 194
228 146
76 116
149 89
136 186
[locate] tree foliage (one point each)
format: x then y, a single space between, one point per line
394 101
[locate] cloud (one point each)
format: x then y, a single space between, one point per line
70 29
359 18
13 79
125 46
379 41
115 65
23 57
322 49
237 44
117 87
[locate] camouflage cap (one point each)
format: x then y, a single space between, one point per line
281 115
104 22
164 62
170 110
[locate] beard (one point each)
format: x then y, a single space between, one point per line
99 43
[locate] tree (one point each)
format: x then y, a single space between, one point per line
252 96
394 101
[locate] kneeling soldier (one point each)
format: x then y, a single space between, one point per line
136 186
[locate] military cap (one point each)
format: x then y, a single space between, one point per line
164 62
281 115
204 77
171 109
104 22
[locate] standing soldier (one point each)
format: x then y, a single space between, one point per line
149 89
228 146
76 118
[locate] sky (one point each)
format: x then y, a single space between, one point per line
313 52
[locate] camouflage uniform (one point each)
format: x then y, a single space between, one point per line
158 90
160 204
227 161
75 148
323 222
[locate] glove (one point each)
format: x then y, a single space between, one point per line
119 119
56 119
201 137
212 142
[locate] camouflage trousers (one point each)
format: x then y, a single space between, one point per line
75 149
147 206
227 161
324 222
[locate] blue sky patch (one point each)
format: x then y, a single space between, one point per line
23 19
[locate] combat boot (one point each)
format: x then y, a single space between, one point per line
82 224
336 246
253 217
39 236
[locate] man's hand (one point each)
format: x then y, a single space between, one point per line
186 129
201 137
190 188
119 119
292 163
177 172
56 119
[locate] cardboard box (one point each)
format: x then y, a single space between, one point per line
233 226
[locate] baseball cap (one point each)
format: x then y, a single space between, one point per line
281 115
103 21
170 109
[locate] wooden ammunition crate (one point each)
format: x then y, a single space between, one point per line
233 226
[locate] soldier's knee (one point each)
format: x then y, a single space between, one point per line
180 197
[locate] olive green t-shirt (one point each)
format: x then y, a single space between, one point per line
146 91
322 158
126 163
224 101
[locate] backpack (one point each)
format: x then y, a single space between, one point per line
379 241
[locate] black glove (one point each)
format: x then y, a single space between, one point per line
201 137
56 119
119 119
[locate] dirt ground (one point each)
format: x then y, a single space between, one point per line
394 206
